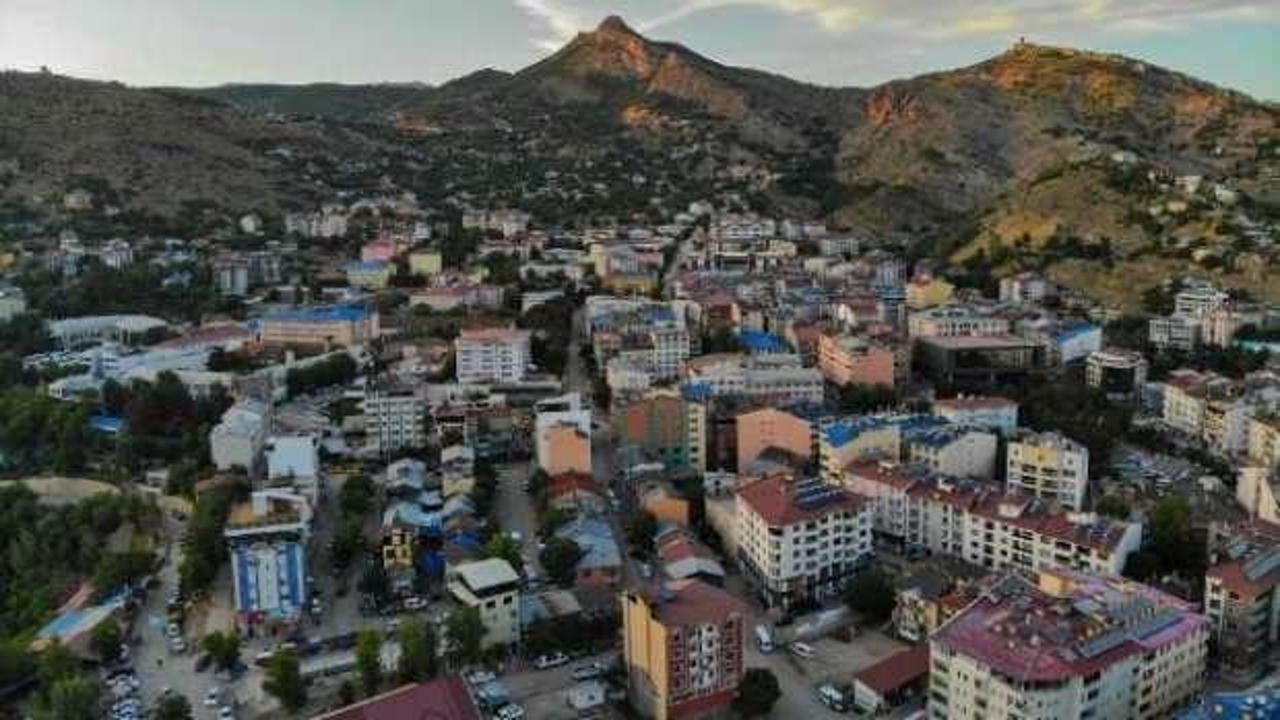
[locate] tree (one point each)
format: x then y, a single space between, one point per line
1112 506
284 680
871 594
106 640
640 534
72 698
560 559
346 693
417 652
757 693
503 546
465 632
369 660
173 707
223 649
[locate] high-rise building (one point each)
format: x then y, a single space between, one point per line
1071 646
395 418
683 649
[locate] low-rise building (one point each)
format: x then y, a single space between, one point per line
780 378
683 649
267 541
995 413
13 302
492 355
953 450
1069 646
239 437
321 326
491 587
372 274
801 540
853 360
1117 372
978 363
1242 601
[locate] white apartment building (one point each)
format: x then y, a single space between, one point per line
982 524
953 450
499 355
1175 332
239 437
955 321
1049 466
1119 373
396 419
994 413
1068 646
800 540
492 587
779 377
670 351
1199 299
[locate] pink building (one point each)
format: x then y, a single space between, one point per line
849 360
771 428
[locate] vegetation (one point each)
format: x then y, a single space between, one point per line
1079 412
757 693
223 649
417 652
560 559
284 680
640 534
871 595
204 545
464 631
355 502
173 707
338 369
860 399
571 635
551 325
105 641
369 660
501 545
1173 549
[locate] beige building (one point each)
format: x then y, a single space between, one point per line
564 448
1049 466
426 263
767 428
324 326
1264 440
1068 646
492 587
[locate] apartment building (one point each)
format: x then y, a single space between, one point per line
321 326
237 441
683 649
1264 440
956 321
492 587
760 430
1242 601
846 441
562 435
800 540
1048 466
13 302
853 360
667 427
499 355
1068 646
953 450
395 418
780 378
1117 372
1175 332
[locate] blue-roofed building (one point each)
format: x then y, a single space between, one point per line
951 450
372 274
601 562
322 325
844 441
758 342
267 540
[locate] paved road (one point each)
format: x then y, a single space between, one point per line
514 510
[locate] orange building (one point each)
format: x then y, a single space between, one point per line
568 449
849 360
770 428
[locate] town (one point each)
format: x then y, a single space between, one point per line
634 384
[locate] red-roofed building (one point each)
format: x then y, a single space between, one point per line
801 539
683 649
1242 599
574 490
446 698
892 681
1068 645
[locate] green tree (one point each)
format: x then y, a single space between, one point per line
560 559
417 652
369 660
223 648
284 680
105 641
346 693
505 547
1112 506
757 693
871 594
640 534
172 707
465 631
71 698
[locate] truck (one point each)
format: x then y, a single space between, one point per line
764 639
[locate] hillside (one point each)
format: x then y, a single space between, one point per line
150 151
348 103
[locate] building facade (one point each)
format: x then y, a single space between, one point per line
492 355
1049 466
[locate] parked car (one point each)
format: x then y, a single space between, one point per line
550 660
588 672
510 711
833 696
801 650
480 677
212 698
415 603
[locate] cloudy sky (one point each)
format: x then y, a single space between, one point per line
842 42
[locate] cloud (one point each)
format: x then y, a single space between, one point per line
561 20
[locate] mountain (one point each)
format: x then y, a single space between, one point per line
147 150
349 103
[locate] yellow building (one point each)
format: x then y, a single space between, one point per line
1264 440
683 649
426 263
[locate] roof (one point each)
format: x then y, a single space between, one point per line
1249 566
325 314
692 602
781 501
493 334
445 698
975 403
978 342
758 341
1029 635
488 573
595 538
896 671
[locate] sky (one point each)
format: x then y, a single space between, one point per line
1235 43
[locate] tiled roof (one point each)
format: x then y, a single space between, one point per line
693 602
781 501
446 698
896 671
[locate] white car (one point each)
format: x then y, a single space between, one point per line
211 698
588 672
510 711
226 713
550 660
801 650
172 630
481 677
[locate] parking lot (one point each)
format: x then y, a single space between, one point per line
833 661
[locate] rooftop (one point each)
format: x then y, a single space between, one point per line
975 402
780 500
896 671
979 342
1072 624
483 574
325 314
445 698
681 603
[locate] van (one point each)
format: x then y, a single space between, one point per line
764 639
